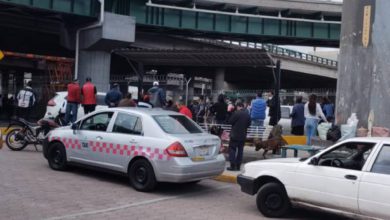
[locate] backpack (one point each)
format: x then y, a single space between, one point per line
334 133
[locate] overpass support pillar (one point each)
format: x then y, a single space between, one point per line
95 64
364 81
96 45
219 82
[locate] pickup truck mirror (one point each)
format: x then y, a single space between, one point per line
314 161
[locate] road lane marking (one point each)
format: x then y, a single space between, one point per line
147 202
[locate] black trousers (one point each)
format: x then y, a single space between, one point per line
298 130
24 113
236 149
89 108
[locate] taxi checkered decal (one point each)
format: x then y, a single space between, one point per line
116 149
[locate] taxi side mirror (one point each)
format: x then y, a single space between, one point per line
73 126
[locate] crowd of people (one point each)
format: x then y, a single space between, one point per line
305 117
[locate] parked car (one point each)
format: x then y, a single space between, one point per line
285 120
148 145
350 178
57 105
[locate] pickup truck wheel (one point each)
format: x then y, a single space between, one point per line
272 200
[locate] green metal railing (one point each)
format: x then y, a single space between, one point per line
88 8
280 51
273 50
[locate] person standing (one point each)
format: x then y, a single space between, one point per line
240 121
328 109
258 107
25 100
312 112
127 101
171 106
113 97
183 109
89 96
298 117
202 110
274 109
73 101
157 96
219 109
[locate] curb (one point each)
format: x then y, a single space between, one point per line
227 178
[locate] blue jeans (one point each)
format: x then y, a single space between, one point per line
71 112
257 122
310 129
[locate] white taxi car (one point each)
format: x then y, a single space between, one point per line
350 178
148 145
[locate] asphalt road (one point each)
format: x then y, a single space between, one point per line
29 189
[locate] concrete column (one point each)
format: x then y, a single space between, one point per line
95 64
219 82
364 80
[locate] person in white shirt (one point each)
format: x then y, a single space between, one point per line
26 100
312 112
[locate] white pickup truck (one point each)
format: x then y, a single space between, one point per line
351 178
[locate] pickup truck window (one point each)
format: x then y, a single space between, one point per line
382 162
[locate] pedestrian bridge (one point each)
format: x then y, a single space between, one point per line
303 22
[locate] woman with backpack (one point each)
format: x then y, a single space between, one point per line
313 113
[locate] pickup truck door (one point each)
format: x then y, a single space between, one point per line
374 191
331 186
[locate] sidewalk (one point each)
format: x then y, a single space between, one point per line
251 155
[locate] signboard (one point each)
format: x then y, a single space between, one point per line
366 25
1 55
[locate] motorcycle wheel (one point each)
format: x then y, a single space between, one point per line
12 143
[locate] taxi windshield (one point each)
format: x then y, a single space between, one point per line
177 124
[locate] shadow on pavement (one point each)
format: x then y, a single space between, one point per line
166 189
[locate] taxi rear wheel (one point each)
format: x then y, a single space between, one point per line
57 157
142 176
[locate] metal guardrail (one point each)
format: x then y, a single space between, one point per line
273 49
298 55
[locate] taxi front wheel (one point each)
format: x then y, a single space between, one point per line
142 176
57 157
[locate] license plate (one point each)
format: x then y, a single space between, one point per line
203 151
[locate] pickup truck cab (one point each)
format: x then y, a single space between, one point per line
351 178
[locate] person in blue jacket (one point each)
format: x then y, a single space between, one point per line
257 112
113 97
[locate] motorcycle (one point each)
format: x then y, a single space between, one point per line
23 133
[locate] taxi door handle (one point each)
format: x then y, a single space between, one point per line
99 138
133 141
351 177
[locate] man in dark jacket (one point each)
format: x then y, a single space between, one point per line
298 117
274 109
240 121
113 97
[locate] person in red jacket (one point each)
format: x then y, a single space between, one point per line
73 101
89 96
183 109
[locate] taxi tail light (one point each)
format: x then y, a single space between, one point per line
176 150
51 102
